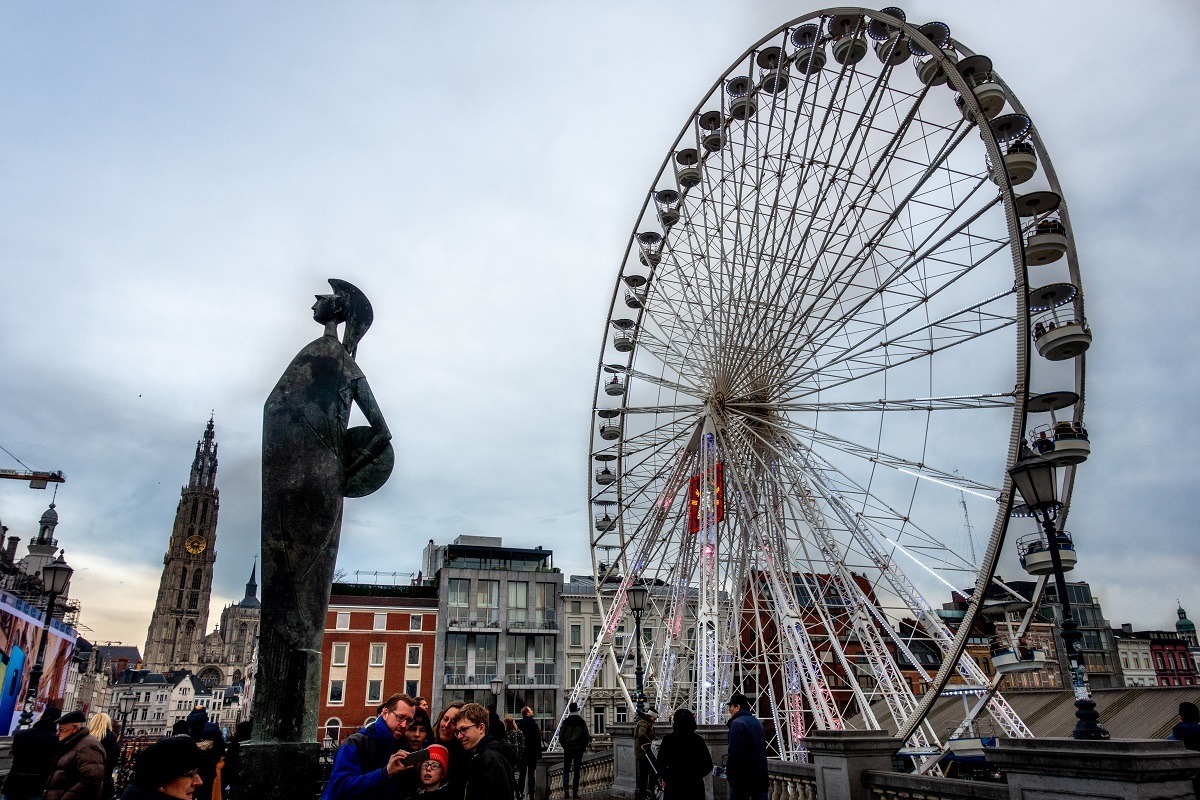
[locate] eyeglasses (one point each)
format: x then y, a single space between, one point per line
460 730
407 720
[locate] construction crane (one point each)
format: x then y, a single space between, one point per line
37 479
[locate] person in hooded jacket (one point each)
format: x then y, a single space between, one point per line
683 759
79 771
34 751
166 770
492 760
208 738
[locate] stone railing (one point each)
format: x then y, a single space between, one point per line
898 786
595 775
791 781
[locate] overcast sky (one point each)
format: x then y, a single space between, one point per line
179 180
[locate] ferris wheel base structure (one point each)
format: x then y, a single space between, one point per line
850 297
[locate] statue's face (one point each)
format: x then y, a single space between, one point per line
326 309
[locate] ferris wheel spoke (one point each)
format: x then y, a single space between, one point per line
982 400
807 436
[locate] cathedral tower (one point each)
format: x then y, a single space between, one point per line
180 617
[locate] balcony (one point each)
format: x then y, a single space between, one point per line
486 621
460 678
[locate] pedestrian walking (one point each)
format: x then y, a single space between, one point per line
34 751
366 763
78 773
643 737
574 737
490 769
167 769
683 759
527 774
746 765
100 726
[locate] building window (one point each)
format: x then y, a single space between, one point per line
546 614
339 654
487 652
380 622
622 714
515 668
333 729
576 607
456 655
458 594
343 622
374 692
595 633
598 719
576 635
518 601
337 689
576 671
415 622
378 653
543 659
412 688
414 655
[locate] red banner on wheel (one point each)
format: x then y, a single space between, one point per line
706 498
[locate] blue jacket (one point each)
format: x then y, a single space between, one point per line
360 765
746 766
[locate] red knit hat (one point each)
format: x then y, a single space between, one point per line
441 755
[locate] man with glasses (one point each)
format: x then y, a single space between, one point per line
491 760
367 763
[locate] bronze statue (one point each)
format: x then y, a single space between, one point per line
310 463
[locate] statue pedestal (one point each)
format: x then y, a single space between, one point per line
279 771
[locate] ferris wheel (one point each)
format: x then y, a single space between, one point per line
849 297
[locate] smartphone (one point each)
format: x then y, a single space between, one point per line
417 758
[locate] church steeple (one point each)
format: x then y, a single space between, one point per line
180 618
46 526
251 598
204 465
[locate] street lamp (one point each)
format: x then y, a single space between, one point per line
1036 480
125 705
497 687
637 596
56 577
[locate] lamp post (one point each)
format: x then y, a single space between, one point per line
497 687
56 577
637 596
1036 480
125 705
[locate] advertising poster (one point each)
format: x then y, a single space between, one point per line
20 634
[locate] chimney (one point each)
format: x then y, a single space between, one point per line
1127 627
10 550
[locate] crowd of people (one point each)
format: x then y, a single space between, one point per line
468 753
75 757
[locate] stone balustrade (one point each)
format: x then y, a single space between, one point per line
595 775
790 781
897 786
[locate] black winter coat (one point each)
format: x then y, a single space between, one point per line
490 771
533 739
34 751
746 763
683 763
112 754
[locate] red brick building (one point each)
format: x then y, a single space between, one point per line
378 640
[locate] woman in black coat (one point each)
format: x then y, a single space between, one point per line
683 759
